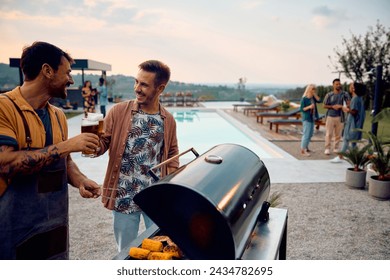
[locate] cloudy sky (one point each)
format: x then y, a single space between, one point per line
203 41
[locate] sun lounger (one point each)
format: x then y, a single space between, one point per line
190 100
278 122
179 99
320 121
255 104
285 115
167 99
273 107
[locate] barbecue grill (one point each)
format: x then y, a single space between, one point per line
210 207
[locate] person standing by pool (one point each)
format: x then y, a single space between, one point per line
103 99
139 134
333 102
355 118
309 115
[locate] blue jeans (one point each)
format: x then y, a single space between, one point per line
126 227
346 145
308 130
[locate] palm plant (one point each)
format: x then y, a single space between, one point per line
382 115
357 157
380 160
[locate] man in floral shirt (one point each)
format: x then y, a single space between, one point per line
139 134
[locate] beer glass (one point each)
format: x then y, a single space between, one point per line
93 123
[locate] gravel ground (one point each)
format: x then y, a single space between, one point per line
90 229
330 221
326 221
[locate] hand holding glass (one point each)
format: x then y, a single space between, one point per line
92 124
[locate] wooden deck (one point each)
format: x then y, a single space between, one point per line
286 133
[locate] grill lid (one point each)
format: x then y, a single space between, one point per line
210 206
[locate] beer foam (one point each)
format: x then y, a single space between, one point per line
95 117
87 122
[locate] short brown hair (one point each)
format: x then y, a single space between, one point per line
162 71
39 53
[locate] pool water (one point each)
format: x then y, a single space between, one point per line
204 129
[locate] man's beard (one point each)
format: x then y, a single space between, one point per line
59 92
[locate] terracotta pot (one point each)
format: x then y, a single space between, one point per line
379 189
355 179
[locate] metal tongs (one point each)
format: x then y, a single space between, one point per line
155 177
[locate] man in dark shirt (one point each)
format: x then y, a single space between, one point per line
333 102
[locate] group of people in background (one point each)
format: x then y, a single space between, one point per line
344 117
93 96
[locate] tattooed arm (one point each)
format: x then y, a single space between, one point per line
28 162
25 162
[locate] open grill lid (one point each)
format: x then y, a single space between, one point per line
210 206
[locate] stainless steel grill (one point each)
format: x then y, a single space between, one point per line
210 206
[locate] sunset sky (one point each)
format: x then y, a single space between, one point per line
203 41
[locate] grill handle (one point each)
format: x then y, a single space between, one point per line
154 176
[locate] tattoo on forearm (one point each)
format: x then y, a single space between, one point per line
26 162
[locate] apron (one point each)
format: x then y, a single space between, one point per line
34 213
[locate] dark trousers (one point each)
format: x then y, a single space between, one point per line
103 110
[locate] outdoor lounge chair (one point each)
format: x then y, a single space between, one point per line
278 122
179 99
254 104
285 115
167 99
190 100
272 107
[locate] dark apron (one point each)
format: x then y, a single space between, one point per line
34 215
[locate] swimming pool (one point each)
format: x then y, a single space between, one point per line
202 129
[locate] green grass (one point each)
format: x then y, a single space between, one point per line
383 127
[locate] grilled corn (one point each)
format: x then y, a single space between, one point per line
139 253
159 256
152 245
173 250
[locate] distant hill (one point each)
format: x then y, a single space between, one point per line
9 77
121 85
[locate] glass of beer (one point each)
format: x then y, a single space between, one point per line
93 123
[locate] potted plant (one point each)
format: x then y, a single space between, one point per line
358 157
379 185
285 105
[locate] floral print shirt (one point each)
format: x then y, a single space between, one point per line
143 151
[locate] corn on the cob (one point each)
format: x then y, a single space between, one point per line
163 239
173 250
152 245
139 253
159 256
